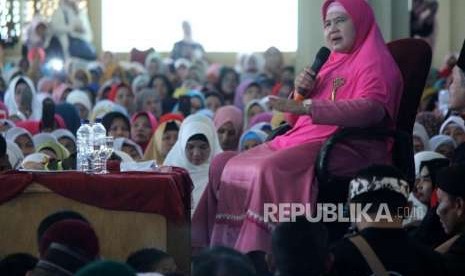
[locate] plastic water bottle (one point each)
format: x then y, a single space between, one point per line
443 101
99 133
84 146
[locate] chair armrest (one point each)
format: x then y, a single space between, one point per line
402 150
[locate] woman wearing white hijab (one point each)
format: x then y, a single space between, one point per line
66 138
22 138
194 127
15 155
128 146
21 99
420 138
454 127
42 138
444 145
81 101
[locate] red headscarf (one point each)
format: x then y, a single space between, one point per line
171 117
34 126
114 90
72 233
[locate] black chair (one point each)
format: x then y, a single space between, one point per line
413 56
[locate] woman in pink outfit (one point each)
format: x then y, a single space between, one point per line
359 86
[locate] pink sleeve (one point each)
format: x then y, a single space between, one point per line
290 118
347 113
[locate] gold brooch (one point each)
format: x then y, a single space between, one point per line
337 83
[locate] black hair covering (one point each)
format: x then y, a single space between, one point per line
17 264
198 137
171 126
2 146
452 180
461 60
146 260
300 247
433 167
108 119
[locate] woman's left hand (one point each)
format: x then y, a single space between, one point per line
289 106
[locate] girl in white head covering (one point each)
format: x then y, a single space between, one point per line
196 146
42 138
35 161
22 138
140 82
15 155
253 108
128 146
81 101
66 138
454 127
103 107
21 99
420 138
444 145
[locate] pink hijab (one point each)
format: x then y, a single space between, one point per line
58 92
264 117
153 122
46 85
368 70
231 114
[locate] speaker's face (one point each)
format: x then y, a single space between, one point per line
339 32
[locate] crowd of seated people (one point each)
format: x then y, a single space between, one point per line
184 111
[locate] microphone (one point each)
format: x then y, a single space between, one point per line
320 59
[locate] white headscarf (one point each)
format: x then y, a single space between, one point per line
10 101
38 157
15 155
15 132
439 140
119 142
425 156
42 138
420 132
247 110
103 107
124 156
64 133
192 125
456 120
79 96
139 82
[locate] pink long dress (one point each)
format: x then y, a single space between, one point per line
282 171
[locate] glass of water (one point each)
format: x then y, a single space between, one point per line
106 149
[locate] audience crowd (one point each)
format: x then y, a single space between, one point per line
183 110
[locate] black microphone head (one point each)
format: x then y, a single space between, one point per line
320 59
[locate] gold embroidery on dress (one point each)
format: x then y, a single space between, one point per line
337 83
